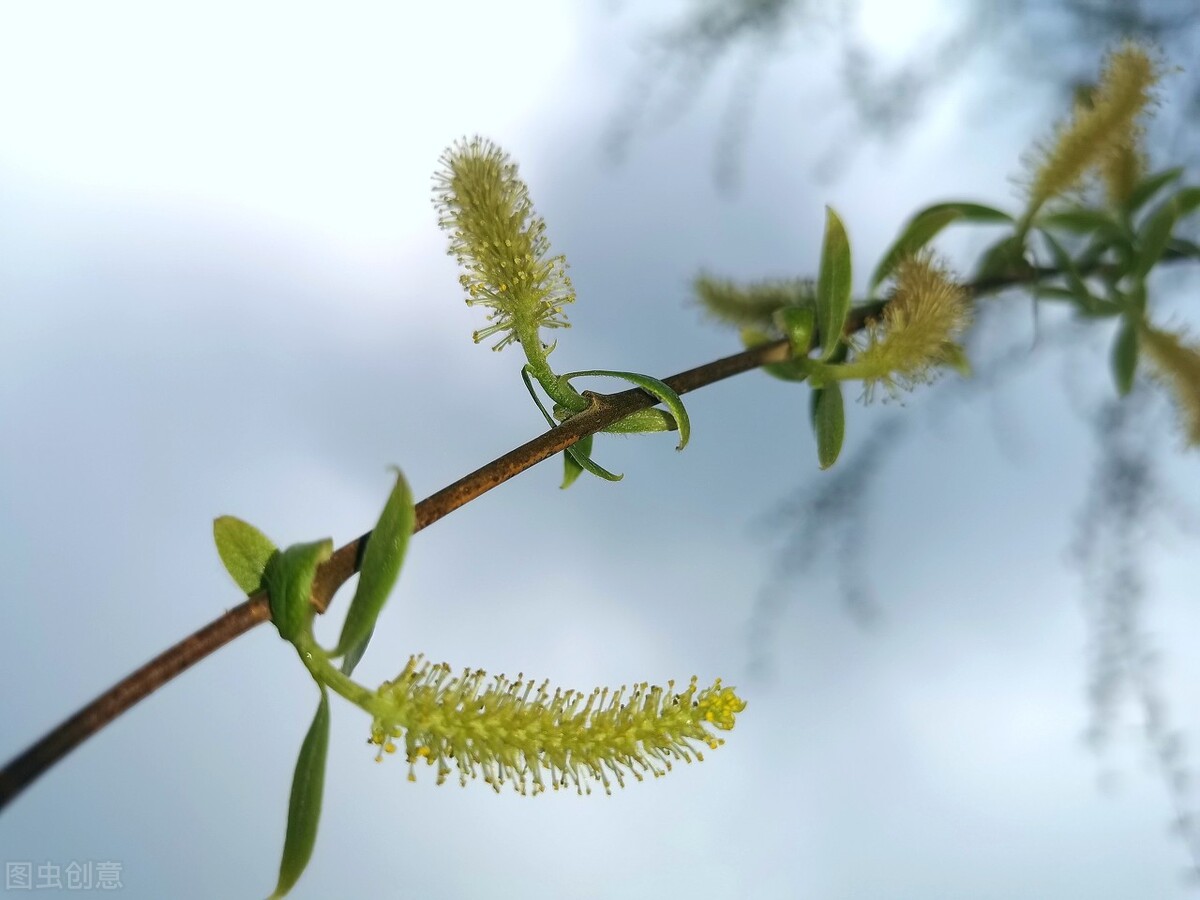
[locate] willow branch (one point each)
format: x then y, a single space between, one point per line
605 410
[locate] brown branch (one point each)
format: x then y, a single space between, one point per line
606 409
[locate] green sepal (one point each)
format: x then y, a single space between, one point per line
1155 232
1148 187
829 422
381 562
653 386
834 282
924 227
572 469
582 459
244 550
1125 354
289 578
304 806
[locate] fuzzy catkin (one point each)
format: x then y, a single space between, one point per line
512 731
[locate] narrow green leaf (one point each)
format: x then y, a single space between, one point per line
643 421
381 562
1155 232
1125 355
924 227
355 654
244 550
652 386
829 423
572 469
833 284
289 577
304 807
1080 220
1148 187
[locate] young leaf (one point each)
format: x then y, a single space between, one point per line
304 807
1125 355
653 387
1080 220
244 550
288 578
643 421
924 226
833 284
1156 230
381 562
829 423
571 468
1148 187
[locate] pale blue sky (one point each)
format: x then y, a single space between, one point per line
225 293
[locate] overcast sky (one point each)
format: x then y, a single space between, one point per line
224 292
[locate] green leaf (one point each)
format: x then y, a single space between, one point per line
381 562
304 807
643 421
289 577
924 227
1080 220
656 388
1148 187
1125 354
1155 232
571 468
355 654
581 458
833 284
829 423
244 550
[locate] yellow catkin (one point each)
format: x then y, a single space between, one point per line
926 311
531 738
1094 134
500 243
1177 363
